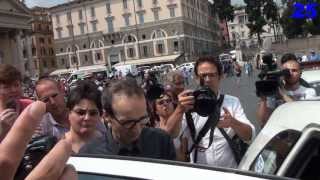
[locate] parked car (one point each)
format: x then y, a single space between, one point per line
125 168
313 78
289 144
188 66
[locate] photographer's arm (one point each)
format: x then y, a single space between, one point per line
185 103
244 131
263 112
14 144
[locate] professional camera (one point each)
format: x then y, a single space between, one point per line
205 100
270 77
37 148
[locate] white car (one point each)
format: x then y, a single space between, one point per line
313 78
187 66
289 144
112 167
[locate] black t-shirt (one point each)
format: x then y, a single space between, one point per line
152 143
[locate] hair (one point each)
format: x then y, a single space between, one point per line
9 74
154 117
288 57
210 60
85 89
44 81
171 76
128 87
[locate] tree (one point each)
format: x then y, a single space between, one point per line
260 13
255 17
225 11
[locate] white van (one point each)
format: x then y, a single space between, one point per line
82 72
126 68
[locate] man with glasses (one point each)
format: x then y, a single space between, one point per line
125 113
213 148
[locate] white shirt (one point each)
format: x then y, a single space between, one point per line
302 93
219 153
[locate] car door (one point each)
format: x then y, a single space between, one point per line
304 159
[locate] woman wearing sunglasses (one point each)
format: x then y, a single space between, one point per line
162 109
85 108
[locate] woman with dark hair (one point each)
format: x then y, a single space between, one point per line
85 108
161 109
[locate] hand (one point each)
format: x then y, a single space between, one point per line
7 118
186 100
226 120
15 142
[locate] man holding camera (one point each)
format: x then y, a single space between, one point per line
290 90
213 148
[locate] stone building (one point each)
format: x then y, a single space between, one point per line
15 36
42 41
90 32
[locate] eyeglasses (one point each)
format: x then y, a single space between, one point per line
164 101
210 75
46 99
82 112
129 124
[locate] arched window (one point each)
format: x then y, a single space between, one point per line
159 41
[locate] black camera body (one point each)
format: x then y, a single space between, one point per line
270 77
37 148
205 100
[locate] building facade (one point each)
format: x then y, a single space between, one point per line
114 31
15 36
239 33
42 42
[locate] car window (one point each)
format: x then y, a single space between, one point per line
92 176
274 153
305 164
316 86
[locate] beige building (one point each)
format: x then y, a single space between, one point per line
15 36
42 41
89 32
239 33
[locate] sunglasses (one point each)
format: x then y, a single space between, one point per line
83 112
164 101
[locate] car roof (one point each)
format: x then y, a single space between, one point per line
311 75
156 169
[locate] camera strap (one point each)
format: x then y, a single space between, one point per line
210 124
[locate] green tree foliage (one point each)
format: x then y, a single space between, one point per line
224 9
293 28
260 13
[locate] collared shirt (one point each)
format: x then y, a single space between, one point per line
50 127
219 153
152 143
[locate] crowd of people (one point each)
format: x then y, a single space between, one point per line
128 118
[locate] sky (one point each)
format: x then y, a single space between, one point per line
49 3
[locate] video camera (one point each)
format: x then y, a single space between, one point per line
270 77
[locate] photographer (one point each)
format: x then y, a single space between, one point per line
290 89
212 148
